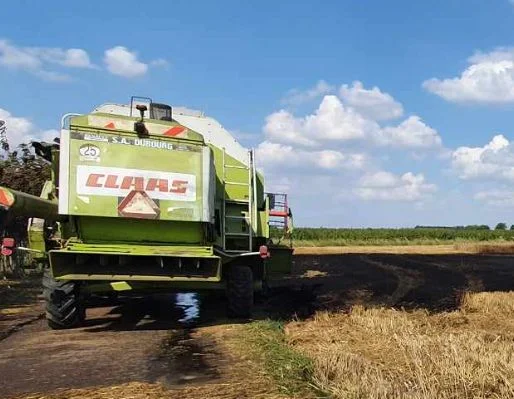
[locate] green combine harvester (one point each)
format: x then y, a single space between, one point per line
143 199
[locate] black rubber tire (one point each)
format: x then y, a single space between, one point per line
63 303
240 292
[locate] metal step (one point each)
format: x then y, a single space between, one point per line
236 201
237 234
236 183
236 167
237 217
236 251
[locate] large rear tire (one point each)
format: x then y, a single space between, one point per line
63 303
240 292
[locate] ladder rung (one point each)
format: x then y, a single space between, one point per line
236 201
235 183
247 216
236 167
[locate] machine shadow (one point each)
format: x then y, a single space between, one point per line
331 283
155 312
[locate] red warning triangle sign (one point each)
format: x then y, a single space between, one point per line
137 204
110 125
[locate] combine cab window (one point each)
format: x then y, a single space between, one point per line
160 112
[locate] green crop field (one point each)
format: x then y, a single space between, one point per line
306 236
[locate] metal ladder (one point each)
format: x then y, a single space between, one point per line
248 218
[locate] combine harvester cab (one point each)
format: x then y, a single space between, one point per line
141 202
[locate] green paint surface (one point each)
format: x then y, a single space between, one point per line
106 167
103 229
139 250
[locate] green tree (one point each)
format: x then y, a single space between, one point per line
23 171
501 226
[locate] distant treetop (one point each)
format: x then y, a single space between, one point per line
468 227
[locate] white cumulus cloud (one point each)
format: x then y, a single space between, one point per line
386 186
77 58
335 123
48 63
39 60
21 130
342 142
380 179
297 96
498 198
331 121
273 155
488 79
72 58
495 160
14 57
411 133
123 62
284 127
371 103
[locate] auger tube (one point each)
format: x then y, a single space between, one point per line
23 204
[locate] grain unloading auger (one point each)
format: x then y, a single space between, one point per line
163 201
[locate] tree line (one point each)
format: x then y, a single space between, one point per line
499 226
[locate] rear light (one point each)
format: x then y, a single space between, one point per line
8 245
8 242
6 251
263 252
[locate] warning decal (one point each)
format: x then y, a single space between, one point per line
138 205
119 182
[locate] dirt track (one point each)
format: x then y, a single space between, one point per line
143 340
137 340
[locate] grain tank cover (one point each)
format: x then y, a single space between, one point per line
115 173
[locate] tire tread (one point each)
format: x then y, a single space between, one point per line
240 292
62 303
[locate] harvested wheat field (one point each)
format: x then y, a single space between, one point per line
358 325
433 249
380 353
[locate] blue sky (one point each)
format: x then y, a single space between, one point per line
369 113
